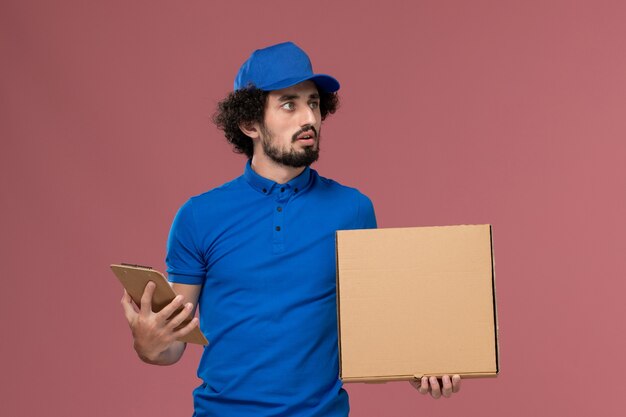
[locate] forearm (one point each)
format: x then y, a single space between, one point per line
169 356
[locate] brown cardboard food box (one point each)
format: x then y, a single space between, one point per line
417 301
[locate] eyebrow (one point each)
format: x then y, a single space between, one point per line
288 97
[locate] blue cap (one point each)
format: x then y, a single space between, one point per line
281 66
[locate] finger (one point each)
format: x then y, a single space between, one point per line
169 309
424 388
127 305
446 390
435 389
146 298
187 329
415 383
180 317
456 383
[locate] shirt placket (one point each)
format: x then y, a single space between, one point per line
278 233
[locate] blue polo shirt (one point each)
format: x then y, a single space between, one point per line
264 254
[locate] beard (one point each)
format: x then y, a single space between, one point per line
291 157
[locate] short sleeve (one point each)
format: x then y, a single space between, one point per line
367 217
185 261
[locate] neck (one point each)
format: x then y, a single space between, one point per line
271 170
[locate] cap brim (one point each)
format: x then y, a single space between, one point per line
324 82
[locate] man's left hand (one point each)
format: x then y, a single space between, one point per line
446 386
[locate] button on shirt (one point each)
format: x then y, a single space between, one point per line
265 256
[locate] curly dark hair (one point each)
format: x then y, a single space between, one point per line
248 106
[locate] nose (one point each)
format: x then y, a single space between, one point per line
308 116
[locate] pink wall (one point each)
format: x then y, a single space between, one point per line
510 113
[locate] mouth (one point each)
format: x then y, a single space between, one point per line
307 136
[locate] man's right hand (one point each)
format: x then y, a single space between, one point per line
154 333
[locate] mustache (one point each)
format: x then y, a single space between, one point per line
304 128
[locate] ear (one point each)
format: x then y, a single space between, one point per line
250 129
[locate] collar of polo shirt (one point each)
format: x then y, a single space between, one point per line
266 186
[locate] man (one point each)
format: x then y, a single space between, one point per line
257 255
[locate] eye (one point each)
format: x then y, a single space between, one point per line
314 105
288 106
